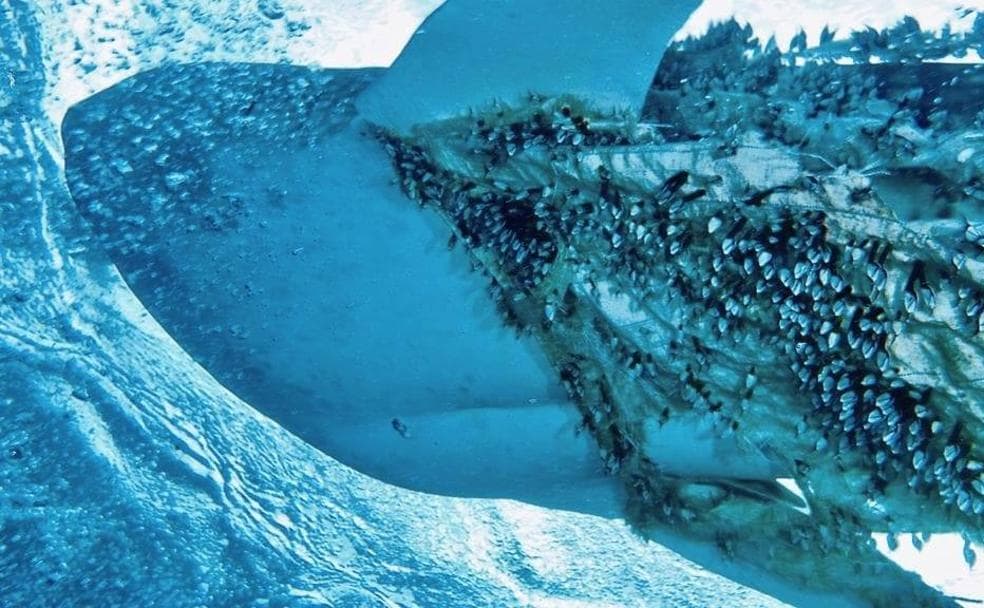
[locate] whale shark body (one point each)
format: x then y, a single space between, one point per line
687 302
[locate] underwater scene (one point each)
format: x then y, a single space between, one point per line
491 303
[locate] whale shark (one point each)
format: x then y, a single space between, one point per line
662 300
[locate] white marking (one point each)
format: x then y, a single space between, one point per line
790 484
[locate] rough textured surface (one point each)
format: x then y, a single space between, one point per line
718 273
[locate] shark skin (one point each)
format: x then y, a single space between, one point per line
469 53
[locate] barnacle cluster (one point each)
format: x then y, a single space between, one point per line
884 110
687 269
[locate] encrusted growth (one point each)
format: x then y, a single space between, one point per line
718 274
